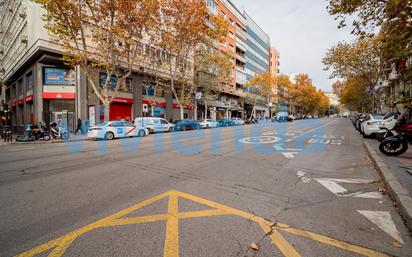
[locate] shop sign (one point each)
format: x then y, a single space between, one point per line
59 76
28 98
21 101
59 95
122 100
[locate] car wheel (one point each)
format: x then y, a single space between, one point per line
170 129
184 128
151 131
207 126
141 133
46 138
109 136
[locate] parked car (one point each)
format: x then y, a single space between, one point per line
186 124
358 122
291 117
116 129
209 123
282 116
238 121
226 123
154 124
370 125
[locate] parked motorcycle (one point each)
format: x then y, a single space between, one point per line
398 139
40 132
58 132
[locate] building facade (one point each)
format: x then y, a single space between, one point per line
40 87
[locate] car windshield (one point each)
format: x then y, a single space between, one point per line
377 117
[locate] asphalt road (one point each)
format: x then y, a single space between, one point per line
299 189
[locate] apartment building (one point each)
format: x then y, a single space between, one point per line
40 87
257 61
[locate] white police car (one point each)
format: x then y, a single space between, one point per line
116 129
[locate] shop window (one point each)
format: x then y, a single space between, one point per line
126 87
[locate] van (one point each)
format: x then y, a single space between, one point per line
154 124
282 116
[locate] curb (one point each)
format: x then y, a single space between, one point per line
44 142
397 192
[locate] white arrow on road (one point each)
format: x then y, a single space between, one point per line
288 153
333 186
384 221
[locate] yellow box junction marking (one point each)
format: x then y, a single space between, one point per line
171 247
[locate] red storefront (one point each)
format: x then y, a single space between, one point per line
121 108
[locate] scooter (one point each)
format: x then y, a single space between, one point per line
40 132
58 132
398 143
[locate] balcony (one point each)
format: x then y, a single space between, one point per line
241 58
241 45
240 77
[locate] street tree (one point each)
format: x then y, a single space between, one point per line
102 35
212 69
352 94
362 59
392 17
264 84
304 98
184 27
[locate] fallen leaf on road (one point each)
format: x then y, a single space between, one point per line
383 190
396 244
254 246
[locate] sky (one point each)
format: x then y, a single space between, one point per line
301 30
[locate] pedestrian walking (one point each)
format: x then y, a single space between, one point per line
79 126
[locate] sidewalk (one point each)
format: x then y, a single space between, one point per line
72 138
397 174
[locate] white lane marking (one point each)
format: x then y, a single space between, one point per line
259 140
351 181
290 155
333 186
302 176
280 148
384 221
370 195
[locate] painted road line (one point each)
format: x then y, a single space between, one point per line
302 176
171 245
171 248
384 221
333 186
288 153
259 140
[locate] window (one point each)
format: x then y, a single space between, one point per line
20 87
231 35
231 21
126 87
164 122
29 81
223 14
212 6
